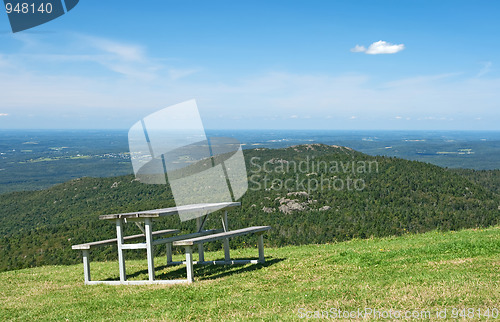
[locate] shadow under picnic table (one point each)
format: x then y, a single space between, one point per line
202 271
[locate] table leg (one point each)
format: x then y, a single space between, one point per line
148 223
86 265
121 258
169 253
262 259
189 264
201 254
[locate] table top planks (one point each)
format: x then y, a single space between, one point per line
126 238
155 213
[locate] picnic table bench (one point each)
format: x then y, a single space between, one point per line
170 239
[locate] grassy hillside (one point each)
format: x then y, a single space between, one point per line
425 272
397 196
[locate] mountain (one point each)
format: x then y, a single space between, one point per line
310 193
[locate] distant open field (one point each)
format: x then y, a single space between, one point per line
34 159
421 274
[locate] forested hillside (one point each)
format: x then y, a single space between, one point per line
308 194
489 179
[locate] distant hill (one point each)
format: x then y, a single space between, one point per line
362 196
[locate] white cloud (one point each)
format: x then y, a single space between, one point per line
181 73
3 62
123 58
4 114
379 47
358 49
125 52
417 81
383 47
126 59
486 69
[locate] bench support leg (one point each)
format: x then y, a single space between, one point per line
201 251
86 265
121 258
189 264
148 223
227 256
261 249
169 253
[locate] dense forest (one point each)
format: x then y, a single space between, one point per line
309 194
489 179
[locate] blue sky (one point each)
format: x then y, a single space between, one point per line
258 64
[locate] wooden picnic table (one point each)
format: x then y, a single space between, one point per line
187 240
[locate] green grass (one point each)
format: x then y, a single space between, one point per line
430 271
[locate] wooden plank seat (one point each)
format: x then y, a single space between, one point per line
189 242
